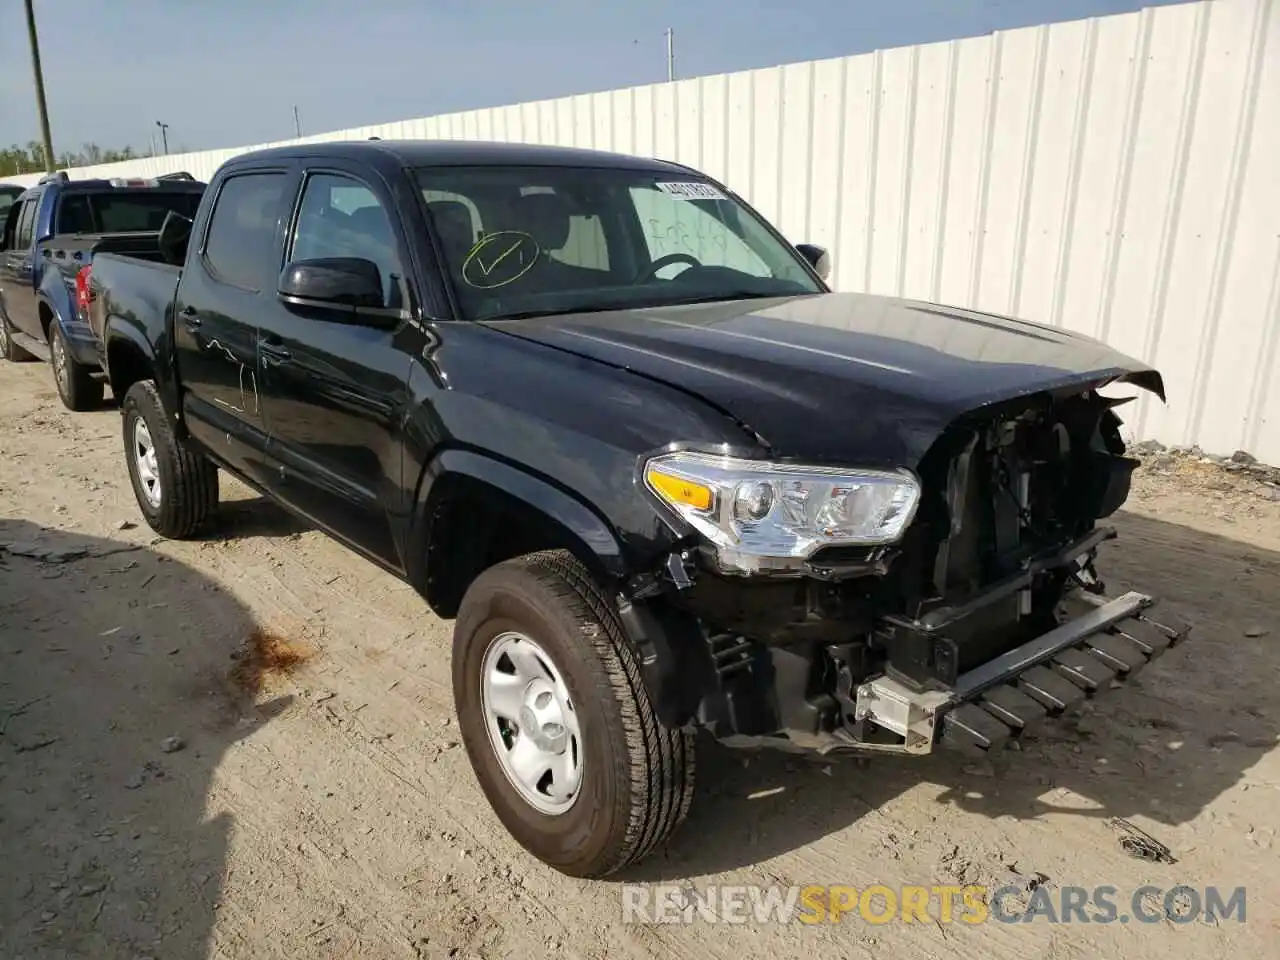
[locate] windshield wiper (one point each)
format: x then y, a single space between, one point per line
716 297
725 295
554 312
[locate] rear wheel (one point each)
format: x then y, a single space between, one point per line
77 387
556 720
176 489
8 349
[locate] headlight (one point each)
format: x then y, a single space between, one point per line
770 515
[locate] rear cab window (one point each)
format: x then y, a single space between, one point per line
240 242
113 210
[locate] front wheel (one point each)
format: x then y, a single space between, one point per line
176 489
556 720
77 387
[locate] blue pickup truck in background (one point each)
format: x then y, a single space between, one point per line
51 233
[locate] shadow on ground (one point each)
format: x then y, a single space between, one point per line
1165 746
255 516
111 844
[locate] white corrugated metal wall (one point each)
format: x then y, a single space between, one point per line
1117 176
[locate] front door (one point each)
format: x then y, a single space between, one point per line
225 289
334 388
17 281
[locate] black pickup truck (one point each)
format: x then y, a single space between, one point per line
601 414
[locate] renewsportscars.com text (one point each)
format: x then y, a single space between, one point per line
880 904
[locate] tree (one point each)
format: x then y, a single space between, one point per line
17 158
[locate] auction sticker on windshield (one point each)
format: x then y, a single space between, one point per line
691 191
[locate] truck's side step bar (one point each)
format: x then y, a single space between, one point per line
1046 676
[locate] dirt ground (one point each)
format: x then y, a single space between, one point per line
316 802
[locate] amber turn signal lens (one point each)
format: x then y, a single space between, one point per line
679 490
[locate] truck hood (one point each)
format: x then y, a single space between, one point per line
839 377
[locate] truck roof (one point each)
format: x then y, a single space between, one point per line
427 153
173 184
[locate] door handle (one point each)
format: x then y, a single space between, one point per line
190 317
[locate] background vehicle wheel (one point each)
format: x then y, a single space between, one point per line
77 387
8 349
556 720
176 489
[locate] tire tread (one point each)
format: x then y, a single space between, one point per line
84 391
191 497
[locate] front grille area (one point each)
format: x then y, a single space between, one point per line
1000 493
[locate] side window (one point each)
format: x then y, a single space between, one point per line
341 217
675 225
240 245
26 223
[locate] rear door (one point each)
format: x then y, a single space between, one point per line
228 284
17 265
334 390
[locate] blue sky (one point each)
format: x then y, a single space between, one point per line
224 73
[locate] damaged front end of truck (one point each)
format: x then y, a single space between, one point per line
984 615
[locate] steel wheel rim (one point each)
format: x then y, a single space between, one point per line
145 462
4 335
60 362
532 723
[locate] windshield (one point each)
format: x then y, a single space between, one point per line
122 211
521 241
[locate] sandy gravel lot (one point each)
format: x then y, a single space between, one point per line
318 804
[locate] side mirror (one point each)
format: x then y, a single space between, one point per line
333 282
818 258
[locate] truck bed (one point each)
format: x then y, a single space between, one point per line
69 252
132 287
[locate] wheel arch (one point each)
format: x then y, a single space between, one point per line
474 511
129 358
53 301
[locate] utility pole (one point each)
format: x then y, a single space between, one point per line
41 106
164 136
297 124
671 54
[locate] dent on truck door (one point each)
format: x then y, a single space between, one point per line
223 292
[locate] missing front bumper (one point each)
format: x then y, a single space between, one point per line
1041 678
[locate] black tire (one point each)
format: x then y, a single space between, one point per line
8 349
637 774
77 387
188 482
